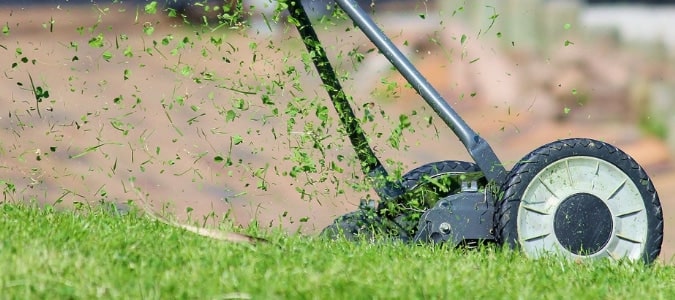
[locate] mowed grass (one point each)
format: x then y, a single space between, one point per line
93 253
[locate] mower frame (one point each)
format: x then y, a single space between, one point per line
537 206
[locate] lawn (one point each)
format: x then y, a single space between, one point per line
95 253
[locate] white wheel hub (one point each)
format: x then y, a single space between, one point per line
595 187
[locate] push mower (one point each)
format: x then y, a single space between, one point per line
577 198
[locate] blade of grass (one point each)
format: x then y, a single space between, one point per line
206 232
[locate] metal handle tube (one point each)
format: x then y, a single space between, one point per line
478 148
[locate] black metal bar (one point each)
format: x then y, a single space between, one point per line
370 164
477 147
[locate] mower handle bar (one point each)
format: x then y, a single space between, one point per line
478 148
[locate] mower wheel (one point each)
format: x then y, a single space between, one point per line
581 199
423 187
419 175
362 224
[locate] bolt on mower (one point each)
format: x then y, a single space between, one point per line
577 198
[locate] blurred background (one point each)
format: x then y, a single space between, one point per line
174 102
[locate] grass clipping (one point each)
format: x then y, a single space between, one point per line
227 236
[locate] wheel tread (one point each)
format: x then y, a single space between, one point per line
410 179
509 202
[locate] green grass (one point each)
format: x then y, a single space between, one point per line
91 254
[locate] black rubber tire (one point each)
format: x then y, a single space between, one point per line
418 187
421 175
434 169
362 223
523 173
